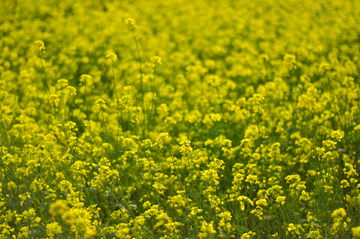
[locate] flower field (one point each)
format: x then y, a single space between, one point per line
179 119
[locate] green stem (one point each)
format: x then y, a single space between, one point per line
86 104
153 102
142 84
117 103
259 131
104 125
4 134
45 78
333 101
56 112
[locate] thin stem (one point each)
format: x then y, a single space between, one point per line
346 103
45 78
112 68
86 103
358 103
4 134
333 101
56 112
87 110
104 125
117 102
142 84
153 102
259 130
259 121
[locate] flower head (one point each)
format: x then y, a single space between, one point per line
130 23
163 139
290 61
258 99
54 99
156 60
100 105
185 148
111 58
84 78
39 47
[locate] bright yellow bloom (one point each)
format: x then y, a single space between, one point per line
355 232
52 229
280 200
338 214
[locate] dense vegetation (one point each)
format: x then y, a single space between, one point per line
178 119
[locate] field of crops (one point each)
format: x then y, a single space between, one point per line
179 119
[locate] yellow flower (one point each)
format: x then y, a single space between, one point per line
130 23
52 229
259 99
324 67
208 227
289 61
338 135
58 208
280 200
169 120
99 105
344 183
226 215
186 148
54 99
39 46
338 214
252 179
248 235
314 235
156 60
163 139
111 58
261 202
356 232
85 78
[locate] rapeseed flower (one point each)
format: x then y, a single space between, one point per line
249 130
130 23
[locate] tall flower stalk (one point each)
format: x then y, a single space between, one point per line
111 58
156 60
39 47
131 24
